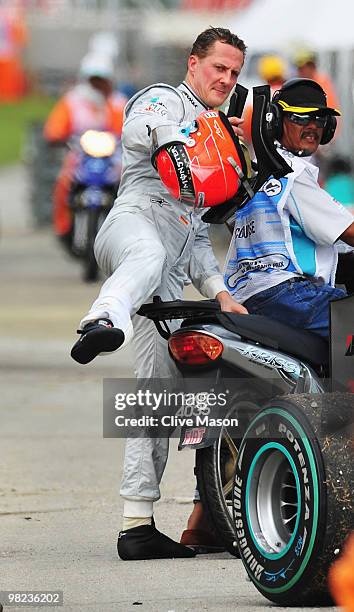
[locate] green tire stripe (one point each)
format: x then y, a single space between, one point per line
283 450
304 439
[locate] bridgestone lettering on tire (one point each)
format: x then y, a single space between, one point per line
292 497
215 466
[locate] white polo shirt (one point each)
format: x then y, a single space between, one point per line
288 229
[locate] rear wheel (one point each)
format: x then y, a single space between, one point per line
293 496
215 466
90 263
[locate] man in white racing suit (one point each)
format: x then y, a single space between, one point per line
146 245
283 257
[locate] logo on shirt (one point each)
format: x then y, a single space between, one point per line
288 155
246 230
275 261
155 106
272 187
190 99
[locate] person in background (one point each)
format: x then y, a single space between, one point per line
272 69
127 89
305 61
13 40
118 99
106 43
88 105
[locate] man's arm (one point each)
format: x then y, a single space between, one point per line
322 218
205 274
229 304
348 235
58 128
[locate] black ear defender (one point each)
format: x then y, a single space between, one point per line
274 121
274 116
329 130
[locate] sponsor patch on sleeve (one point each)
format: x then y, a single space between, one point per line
153 106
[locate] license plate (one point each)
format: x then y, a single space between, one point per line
193 436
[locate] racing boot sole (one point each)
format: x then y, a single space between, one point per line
97 337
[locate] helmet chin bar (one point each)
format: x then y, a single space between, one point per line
269 161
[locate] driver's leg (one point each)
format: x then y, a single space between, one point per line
127 248
145 459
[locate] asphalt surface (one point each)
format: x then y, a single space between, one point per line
59 504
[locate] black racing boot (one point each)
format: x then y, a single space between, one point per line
96 337
146 542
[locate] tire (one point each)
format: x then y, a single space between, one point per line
293 495
90 263
215 466
79 233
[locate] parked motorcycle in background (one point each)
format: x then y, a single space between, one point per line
95 180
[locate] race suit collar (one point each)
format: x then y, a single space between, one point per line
191 95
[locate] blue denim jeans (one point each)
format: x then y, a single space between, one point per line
299 303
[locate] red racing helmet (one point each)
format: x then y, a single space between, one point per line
204 166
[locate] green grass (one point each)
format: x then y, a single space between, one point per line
16 119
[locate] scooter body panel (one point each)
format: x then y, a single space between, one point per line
264 369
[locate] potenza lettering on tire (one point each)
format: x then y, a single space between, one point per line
276 501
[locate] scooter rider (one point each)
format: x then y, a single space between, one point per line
282 259
146 244
86 106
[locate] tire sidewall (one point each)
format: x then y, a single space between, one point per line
208 472
284 429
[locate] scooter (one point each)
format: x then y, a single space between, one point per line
278 486
94 185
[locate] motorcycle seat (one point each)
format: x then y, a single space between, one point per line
303 344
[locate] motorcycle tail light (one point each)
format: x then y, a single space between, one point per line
195 348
